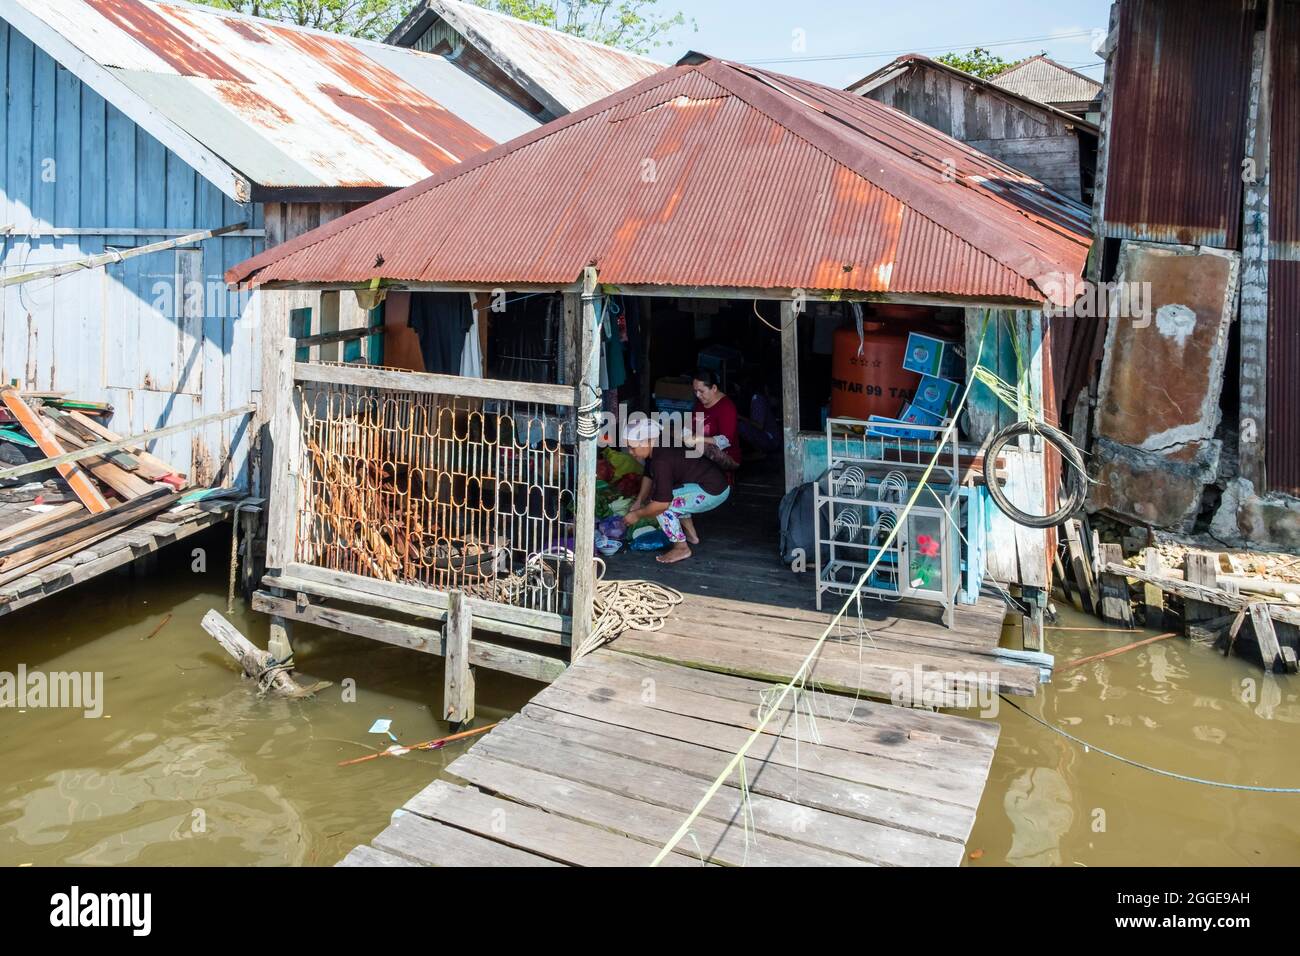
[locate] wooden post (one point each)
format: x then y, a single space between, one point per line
1269 649
586 392
1153 596
1032 623
279 642
457 677
790 394
1201 568
1115 607
1080 566
286 431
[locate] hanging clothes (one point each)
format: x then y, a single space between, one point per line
471 356
441 319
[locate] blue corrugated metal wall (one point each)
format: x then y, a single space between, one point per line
72 161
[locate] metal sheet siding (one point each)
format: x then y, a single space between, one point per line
1283 447
1282 455
715 175
113 334
1177 134
285 106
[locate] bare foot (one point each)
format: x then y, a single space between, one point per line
688 528
678 552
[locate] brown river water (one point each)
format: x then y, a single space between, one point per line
187 767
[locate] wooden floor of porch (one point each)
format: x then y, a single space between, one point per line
745 613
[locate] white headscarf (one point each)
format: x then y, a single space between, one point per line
642 430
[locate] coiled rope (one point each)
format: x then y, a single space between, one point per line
619 606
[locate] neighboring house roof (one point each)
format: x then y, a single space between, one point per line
897 68
714 174
561 71
258 106
1043 79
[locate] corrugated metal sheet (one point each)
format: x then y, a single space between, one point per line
1177 135
1282 455
1043 79
1283 448
120 334
563 71
289 107
714 174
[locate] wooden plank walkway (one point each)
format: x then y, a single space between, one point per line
601 768
104 556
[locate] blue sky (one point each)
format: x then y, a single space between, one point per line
759 30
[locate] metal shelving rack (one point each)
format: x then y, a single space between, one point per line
873 472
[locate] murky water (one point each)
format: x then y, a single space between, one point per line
1175 705
186 765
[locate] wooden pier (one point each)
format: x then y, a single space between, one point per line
604 764
602 767
112 552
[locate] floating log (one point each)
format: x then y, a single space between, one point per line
256 662
1117 650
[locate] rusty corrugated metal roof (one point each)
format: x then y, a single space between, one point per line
1043 79
562 71
287 107
1177 131
714 174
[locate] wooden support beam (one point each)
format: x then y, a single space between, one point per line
1203 571
83 486
1080 566
1115 606
1270 651
790 393
1032 626
286 458
1153 598
586 391
457 676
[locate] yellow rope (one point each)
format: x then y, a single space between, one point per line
801 675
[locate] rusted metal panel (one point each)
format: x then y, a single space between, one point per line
1283 428
1158 395
1177 133
1282 447
714 174
289 108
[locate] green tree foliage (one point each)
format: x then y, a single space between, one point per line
979 62
370 19
636 25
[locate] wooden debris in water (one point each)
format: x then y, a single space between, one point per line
272 676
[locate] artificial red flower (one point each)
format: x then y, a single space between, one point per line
928 546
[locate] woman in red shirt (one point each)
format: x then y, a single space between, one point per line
721 422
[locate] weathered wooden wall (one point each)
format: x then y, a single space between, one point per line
79 178
1037 142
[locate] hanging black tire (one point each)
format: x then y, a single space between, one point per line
1075 484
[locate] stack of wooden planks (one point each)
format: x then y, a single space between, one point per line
109 492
